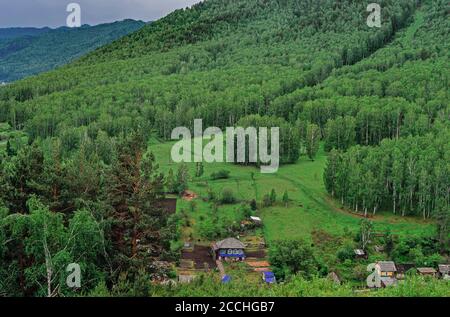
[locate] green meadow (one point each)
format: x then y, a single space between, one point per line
310 207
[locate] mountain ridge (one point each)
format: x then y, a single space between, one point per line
29 51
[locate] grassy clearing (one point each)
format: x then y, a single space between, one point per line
310 208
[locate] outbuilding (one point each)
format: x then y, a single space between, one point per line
360 254
427 271
256 220
444 271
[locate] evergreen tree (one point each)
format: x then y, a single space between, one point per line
134 188
273 197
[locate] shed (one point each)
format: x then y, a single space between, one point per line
186 278
427 271
359 253
444 271
256 219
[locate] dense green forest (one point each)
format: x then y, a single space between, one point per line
10 33
29 51
78 184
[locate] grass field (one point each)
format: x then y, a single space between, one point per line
310 208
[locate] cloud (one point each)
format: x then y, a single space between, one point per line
53 12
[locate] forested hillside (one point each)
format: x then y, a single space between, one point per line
10 33
77 183
29 51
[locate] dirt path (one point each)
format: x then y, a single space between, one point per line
221 268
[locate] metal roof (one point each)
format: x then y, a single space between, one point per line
425 270
444 268
229 243
359 252
387 266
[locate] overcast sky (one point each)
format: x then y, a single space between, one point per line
39 13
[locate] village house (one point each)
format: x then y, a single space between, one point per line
230 249
427 271
386 270
444 271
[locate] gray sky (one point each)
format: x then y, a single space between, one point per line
39 13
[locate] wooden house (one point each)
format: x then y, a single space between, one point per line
230 249
386 268
444 271
427 271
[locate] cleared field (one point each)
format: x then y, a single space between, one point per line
310 208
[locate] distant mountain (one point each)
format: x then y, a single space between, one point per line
29 51
10 33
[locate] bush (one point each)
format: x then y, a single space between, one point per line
292 257
345 253
222 174
267 202
227 196
245 211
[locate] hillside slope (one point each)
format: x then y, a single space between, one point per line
10 33
28 51
219 60
364 121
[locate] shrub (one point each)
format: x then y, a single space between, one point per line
222 174
253 205
345 253
293 257
267 202
227 196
